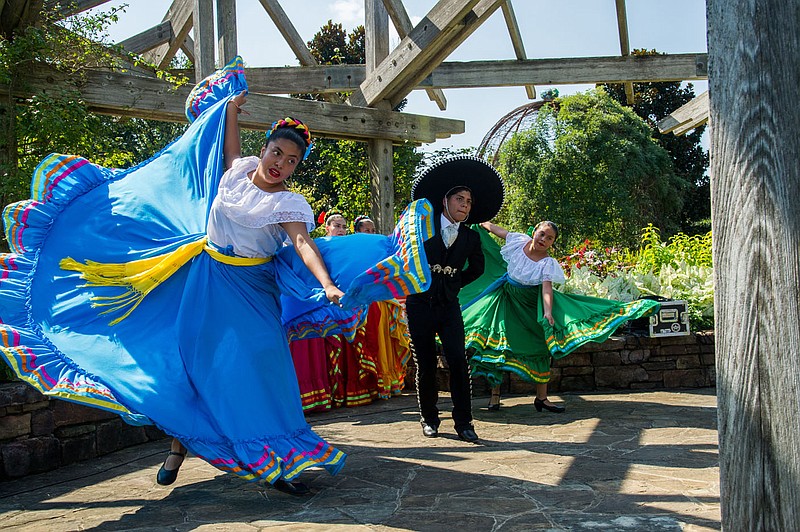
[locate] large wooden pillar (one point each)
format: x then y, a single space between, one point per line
379 151
753 50
203 27
8 148
227 44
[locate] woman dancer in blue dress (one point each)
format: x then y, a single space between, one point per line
153 292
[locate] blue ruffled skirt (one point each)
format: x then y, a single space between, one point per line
204 356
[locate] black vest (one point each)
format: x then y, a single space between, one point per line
448 271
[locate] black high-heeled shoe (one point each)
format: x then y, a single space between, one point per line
292 488
494 407
165 476
540 403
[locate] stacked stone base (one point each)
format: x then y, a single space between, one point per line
39 434
620 363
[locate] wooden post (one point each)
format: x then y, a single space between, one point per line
379 151
753 46
8 148
203 25
380 154
226 30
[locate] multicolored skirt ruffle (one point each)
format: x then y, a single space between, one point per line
204 356
506 332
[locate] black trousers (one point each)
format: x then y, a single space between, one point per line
425 320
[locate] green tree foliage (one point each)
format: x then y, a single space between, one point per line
341 177
590 165
332 45
653 102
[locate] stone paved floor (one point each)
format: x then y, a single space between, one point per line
632 461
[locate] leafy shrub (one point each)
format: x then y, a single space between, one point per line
680 268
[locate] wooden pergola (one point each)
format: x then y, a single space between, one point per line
388 76
755 169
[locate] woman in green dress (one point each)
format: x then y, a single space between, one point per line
515 321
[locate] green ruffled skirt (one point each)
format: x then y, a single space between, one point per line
505 330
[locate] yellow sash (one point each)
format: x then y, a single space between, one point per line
143 275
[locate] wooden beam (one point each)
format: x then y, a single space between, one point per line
293 39
411 60
472 21
313 79
568 71
188 48
124 94
755 221
380 155
180 16
686 117
379 151
18 15
624 44
685 128
203 26
402 23
149 39
290 34
123 59
516 40
376 34
227 43
478 74
67 8
622 27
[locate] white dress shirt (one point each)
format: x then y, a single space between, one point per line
449 231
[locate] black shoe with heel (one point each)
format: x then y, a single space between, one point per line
492 406
165 476
292 488
540 403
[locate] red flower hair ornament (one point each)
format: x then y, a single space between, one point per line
325 216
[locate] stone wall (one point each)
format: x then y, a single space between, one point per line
39 434
625 363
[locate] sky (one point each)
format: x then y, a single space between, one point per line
569 28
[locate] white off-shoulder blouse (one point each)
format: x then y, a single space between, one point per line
522 269
245 217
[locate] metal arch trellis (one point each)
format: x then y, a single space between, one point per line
514 121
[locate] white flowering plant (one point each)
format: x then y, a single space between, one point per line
680 268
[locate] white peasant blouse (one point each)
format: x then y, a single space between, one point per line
245 217
522 269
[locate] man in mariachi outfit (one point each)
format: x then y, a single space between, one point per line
461 189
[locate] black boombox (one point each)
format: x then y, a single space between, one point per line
672 319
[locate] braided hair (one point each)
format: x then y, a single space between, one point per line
294 130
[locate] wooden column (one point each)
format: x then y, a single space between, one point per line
753 46
8 148
226 30
379 151
203 26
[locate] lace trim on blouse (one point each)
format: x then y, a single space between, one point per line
243 203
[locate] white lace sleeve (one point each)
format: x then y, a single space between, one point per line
291 207
552 270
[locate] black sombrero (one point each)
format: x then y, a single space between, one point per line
476 174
